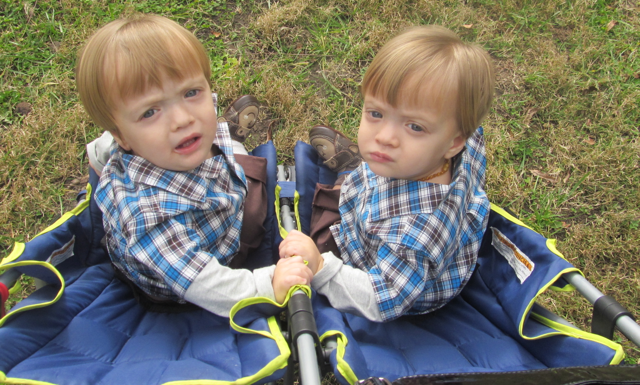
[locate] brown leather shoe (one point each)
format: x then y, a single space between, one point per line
241 116
339 152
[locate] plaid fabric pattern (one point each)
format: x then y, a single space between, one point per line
162 226
417 240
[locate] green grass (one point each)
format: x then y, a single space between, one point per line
563 136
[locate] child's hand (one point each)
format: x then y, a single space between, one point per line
298 244
289 272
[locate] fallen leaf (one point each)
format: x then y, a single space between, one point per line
611 24
217 34
83 180
590 140
23 108
565 225
545 176
467 26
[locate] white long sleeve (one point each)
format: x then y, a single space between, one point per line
348 289
217 288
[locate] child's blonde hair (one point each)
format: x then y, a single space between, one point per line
434 56
128 56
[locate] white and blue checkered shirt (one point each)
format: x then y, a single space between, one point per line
162 226
418 241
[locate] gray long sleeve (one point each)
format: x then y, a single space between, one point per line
348 289
217 288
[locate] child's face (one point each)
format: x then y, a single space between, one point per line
173 127
407 142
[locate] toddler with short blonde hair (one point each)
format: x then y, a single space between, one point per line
402 233
173 193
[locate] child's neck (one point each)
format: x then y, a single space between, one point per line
442 176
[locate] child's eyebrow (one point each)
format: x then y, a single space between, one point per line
147 101
189 84
373 103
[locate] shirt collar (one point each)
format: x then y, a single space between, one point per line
191 184
399 197
407 197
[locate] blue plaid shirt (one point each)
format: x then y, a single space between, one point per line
162 226
418 241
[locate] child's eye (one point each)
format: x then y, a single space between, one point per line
415 127
149 113
375 114
191 93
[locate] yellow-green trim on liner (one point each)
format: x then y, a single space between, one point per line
274 333
563 329
73 212
277 363
257 300
15 288
296 199
342 365
560 328
20 381
551 245
18 247
510 217
533 300
36 305
581 334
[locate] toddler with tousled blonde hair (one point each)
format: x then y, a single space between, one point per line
177 186
400 230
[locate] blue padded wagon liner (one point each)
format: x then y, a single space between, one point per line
98 334
85 327
488 328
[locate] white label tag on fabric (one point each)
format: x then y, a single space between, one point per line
63 253
521 264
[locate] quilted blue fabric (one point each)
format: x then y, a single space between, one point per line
97 333
478 331
475 332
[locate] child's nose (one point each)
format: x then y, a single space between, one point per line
386 136
182 117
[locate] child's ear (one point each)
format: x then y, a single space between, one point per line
121 141
456 146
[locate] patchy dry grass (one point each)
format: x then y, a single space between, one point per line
563 136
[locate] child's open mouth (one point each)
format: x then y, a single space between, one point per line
188 145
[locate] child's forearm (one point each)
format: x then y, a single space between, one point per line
217 288
348 289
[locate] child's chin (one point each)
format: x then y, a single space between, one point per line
381 171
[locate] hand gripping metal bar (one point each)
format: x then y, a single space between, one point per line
305 344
